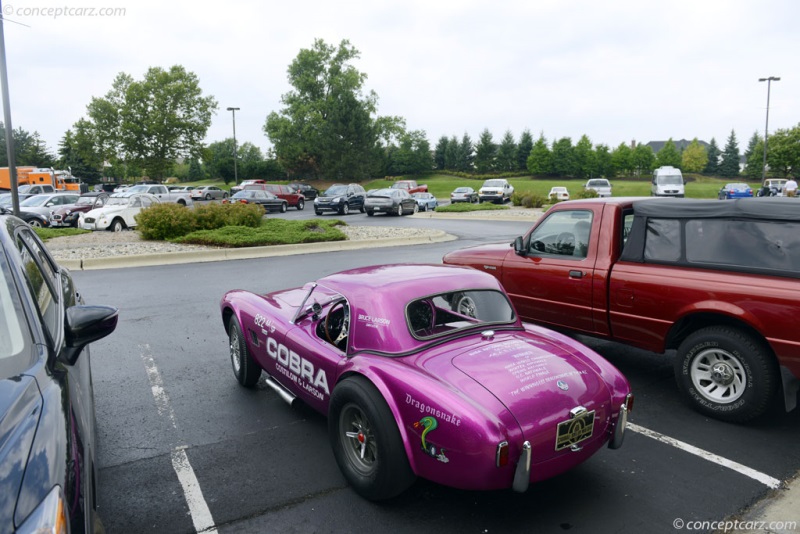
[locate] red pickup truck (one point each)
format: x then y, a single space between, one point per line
719 282
411 186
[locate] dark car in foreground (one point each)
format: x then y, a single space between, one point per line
263 198
47 419
341 198
390 201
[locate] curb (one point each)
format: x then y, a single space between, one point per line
777 513
224 254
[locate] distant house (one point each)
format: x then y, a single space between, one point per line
680 145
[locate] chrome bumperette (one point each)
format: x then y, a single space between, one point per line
618 435
522 475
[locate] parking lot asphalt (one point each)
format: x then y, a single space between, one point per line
775 513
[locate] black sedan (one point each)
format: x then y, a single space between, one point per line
396 201
306 190
47 433
265 199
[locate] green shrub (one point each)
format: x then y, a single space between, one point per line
527 199
170 221
461 207
165 221
269 232
586 193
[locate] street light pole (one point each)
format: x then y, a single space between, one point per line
235 155
766 127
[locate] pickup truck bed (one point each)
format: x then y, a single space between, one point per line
717 281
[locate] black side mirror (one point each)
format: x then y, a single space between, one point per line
86 324
519 246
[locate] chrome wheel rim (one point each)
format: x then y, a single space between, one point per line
719 376
358 439
235 354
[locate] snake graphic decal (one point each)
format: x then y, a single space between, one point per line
429 424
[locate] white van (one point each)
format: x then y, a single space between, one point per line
667 182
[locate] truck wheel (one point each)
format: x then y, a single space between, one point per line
726 373
366 442
245 369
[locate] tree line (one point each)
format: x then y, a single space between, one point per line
328 128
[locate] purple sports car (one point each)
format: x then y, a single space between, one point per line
426 370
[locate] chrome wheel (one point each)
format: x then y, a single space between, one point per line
718 375
236 355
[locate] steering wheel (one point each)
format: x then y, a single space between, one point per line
565 241
337 323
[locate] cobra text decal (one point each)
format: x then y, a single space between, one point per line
298 369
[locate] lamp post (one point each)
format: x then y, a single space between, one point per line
235 170
766 127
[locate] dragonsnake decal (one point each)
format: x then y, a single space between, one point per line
429 424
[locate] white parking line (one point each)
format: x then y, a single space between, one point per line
201 514
767 480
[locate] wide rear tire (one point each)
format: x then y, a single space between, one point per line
366 442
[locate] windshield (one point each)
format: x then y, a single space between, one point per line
138 189
462 190
35 201
117 201
382 193
442 314
245 194
86 201
670 179
598 183
494 183
336 190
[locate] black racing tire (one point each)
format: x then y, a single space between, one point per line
366 442
245 368
726 373
300 205
345 209
117 225
284 207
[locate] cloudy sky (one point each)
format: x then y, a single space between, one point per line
614 70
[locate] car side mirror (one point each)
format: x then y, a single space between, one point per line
519 246
85 324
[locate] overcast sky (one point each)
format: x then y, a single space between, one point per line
614 70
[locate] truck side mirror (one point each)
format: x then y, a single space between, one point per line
519 246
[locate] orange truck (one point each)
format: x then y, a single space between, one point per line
60 180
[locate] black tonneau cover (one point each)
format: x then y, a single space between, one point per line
773 208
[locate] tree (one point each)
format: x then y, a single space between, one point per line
642 160
584 158
219 160
539 162
153 122
783 152
326 127
439 153
754 157
78 152
466 154
694 157
485 152
29 149
622 159
603 161
712 168
563 157
506 158
196 171
729 165
524 150
451 154
669 156
413 156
